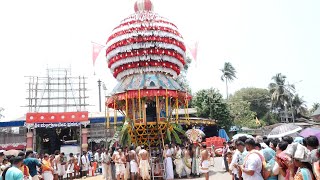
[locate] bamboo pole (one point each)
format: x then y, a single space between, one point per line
115 114
177 108
167 103
139 104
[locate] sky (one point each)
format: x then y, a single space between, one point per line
259 38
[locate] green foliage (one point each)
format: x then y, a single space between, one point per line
176 137
210 104
258 98
178 128
228 74
281 93
270 118
299 106
124 135
315 106
169 135
241 113
1 110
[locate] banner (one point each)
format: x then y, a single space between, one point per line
56 125
58 117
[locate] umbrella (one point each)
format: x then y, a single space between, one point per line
11 152
240 135
223 134
284 130
310 132
195 135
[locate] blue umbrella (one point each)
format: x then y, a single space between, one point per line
223 134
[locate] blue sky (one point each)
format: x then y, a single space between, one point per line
260 38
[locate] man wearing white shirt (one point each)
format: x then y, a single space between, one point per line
252 166
96 155
237 160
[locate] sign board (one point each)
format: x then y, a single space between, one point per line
58 117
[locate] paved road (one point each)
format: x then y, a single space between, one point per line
216 173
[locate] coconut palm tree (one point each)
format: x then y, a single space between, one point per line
228 74
299 106
315 106
1 110
281 93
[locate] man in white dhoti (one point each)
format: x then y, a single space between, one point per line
120 161
70 165
47 170
167 154
106 164
205 163
133 163
178 161
187 160
144 166
61 165
85 163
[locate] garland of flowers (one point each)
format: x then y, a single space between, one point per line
143 33
132 22
144 29
148 51
152 63
156 40
137 24
123 74
143 59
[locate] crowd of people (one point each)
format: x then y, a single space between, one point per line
261 158
29 165
115 163
136 163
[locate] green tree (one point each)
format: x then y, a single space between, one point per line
281 93
1 110
228 74
242 115
299 106
315 106
210 104
258 98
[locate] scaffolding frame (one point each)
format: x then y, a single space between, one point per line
58 91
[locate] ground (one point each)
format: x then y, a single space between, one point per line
216 172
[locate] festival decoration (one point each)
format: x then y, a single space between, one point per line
146 53
195 135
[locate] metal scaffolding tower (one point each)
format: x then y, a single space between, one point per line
59 91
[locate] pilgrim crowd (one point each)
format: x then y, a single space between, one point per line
261 158
115 163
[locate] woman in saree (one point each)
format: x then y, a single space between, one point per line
269 172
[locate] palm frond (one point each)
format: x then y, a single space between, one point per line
169 135
176 137
178 128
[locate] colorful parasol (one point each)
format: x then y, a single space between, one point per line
195 135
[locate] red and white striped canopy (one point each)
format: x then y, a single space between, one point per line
144 43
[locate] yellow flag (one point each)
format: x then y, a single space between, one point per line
257 121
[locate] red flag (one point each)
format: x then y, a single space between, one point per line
96 51
194 50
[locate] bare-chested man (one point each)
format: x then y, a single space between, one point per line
120 160
205 163
144 164
133 163
187 160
